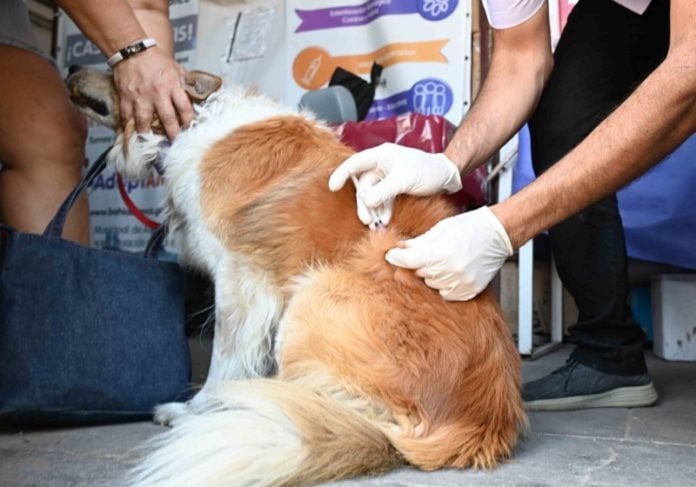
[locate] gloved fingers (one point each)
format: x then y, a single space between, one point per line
454 294
353 166
388 188
423 240
426 272
381 213
385 212
366 180
433 284
368 216
380 216
364 214
407 258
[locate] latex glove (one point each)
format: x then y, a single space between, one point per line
388 170
150 85
458 256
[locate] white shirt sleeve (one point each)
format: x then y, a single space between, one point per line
503 14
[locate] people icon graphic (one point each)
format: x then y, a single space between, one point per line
431 97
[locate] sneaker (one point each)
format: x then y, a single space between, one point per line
577 386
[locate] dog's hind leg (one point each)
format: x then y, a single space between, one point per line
248 307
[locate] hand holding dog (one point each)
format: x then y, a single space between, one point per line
459 255
383 172
151 85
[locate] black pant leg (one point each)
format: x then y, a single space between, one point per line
604 53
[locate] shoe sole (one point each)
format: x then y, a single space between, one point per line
622 397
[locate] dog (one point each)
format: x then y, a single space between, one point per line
327 361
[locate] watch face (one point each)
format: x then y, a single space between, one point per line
134 49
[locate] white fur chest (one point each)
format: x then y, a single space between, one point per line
224 112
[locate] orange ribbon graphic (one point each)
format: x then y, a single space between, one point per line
313 66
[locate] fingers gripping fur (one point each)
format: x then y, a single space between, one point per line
265 433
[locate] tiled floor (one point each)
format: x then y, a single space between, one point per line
602 447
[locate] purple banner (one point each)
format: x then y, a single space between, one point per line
356 15
389 107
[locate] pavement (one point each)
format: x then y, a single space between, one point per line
601 447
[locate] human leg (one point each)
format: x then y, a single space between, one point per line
604 53
42 140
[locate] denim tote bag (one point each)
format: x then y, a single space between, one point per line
87 335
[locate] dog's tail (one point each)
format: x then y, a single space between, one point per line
270 433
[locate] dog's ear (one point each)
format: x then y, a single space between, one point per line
199 85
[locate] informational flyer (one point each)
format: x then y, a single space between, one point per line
424 47
112 224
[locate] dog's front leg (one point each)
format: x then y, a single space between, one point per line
248 307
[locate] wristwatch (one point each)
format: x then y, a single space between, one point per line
131 50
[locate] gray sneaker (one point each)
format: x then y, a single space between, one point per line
577 386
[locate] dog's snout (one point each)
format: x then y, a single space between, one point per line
74 68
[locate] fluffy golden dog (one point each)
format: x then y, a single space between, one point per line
327 362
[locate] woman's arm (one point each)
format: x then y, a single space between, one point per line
149 83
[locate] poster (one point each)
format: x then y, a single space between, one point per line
111 223
423 45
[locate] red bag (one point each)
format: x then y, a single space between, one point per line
430 133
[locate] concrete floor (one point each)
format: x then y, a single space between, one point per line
602 447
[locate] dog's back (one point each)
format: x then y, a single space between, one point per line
264 186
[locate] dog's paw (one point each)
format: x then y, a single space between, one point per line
167 414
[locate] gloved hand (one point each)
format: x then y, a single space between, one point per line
385 171
458 256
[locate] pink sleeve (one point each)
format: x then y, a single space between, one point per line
503 14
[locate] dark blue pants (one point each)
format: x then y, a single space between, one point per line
605 51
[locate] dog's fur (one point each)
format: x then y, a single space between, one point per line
370 368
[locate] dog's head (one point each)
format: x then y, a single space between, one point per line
93 92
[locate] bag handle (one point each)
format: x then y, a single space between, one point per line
156 242
55 226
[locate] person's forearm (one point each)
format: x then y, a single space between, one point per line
114 24
652 122
520 67
153 15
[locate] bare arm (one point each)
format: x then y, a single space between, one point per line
153 15
149 83
520 66
110 24
651 123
